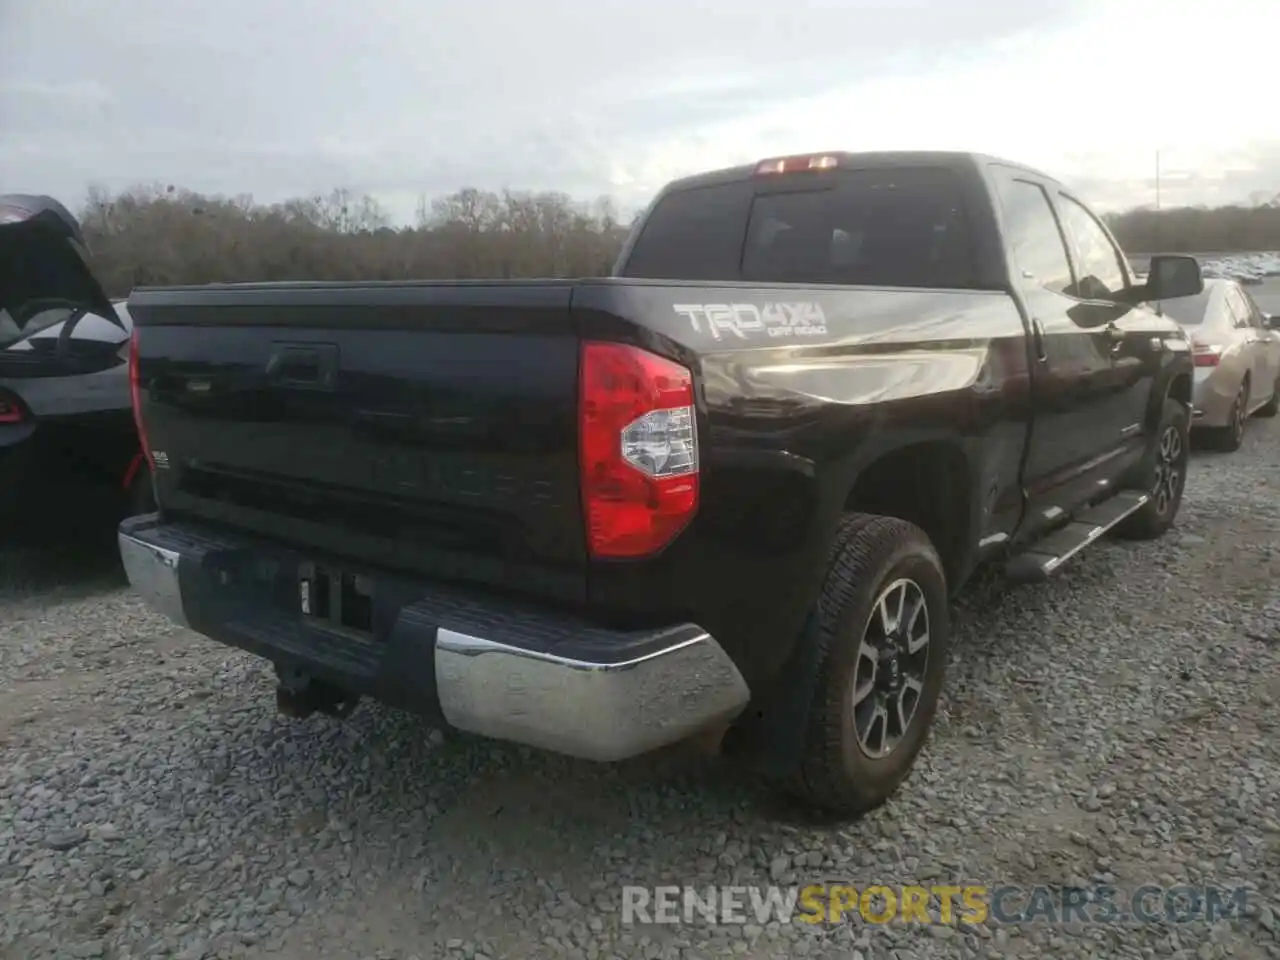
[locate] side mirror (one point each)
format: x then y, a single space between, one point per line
1273 322
1173 276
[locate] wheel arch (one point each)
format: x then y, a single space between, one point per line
925 481
929 483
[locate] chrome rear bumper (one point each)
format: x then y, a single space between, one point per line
512 673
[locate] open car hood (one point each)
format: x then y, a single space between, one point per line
44 263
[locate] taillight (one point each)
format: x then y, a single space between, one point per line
135 396
1206 354
638 440
11 409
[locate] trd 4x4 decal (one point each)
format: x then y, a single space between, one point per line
746 320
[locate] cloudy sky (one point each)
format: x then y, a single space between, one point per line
401 98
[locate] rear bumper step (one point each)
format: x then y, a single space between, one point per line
494 668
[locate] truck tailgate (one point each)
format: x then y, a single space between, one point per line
426 427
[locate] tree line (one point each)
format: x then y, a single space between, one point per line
1231 229
163 235
159 236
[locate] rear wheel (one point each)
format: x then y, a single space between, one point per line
1165 473
1230 437
883 634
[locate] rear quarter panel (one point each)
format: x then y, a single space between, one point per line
800 390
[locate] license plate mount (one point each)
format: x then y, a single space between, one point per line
334 598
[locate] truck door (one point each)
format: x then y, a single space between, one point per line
1133 333
1072 375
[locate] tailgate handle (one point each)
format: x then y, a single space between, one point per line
310 365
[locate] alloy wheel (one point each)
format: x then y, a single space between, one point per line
893 655
1239 413
1168 469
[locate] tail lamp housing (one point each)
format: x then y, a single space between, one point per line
638 447
135 398
11 409
1205 354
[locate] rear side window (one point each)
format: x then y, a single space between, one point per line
892 227
1239 310
1256 316
1033 234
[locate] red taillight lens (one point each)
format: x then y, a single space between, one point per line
135 396
1206 354
638 440
11 409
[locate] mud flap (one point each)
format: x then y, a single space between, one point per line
773 738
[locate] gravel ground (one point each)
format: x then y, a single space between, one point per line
1115 725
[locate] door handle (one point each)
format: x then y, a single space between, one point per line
1116 336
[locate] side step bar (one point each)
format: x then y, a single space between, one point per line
1046 556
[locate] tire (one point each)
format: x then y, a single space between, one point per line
1164 473
873 558
1229 438
1272 406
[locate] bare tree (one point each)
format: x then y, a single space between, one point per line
166 235
1199 229
159 234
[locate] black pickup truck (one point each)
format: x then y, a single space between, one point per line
726 492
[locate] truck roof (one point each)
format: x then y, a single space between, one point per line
878 158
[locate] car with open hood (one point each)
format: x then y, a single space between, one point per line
66 423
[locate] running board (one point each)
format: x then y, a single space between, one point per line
1046 557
